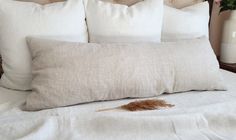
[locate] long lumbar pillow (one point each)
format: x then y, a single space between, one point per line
70 73
21 19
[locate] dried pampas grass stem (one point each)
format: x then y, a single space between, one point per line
141 105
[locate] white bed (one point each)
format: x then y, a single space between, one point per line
207 115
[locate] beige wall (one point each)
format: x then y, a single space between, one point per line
216 28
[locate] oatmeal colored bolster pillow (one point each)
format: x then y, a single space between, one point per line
71 73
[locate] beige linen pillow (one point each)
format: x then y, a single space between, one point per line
172 3
71 73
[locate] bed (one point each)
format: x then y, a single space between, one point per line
196 115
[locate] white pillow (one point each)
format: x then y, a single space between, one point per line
109 22
21 19
187 23
71 73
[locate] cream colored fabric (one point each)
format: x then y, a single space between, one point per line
172 3
21 19
186 23
109 22
71 73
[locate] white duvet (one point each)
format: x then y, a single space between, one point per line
196 116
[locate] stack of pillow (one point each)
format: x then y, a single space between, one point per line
90 50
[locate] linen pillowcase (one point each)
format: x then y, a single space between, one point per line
109 22
72 73
187 23
21 19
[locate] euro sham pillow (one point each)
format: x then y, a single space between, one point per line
187 23
108 22
21 19
71 73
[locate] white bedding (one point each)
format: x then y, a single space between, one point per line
196 116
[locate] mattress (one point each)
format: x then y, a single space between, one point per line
207 115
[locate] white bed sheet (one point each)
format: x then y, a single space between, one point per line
209 115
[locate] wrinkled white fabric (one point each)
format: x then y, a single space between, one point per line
209 115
